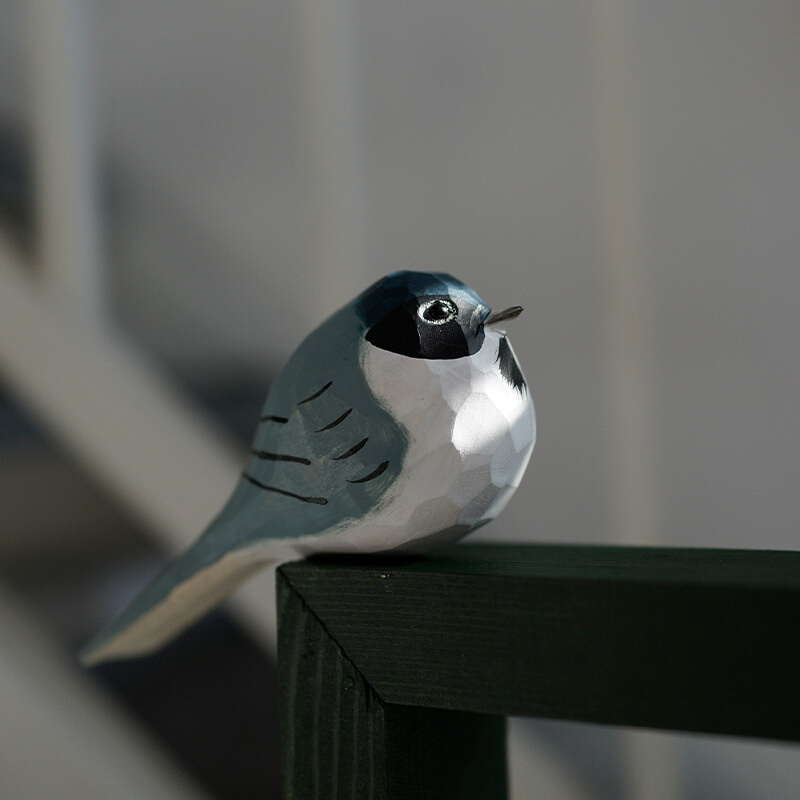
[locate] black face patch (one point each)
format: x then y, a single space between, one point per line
431 327
509 368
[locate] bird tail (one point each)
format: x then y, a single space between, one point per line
185 591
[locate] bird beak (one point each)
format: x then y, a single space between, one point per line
499 317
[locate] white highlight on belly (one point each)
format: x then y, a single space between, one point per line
471 434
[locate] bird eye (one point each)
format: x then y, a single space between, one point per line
437 312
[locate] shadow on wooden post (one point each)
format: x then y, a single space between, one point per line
396 676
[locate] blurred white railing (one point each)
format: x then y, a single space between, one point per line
65 162
63 738
651 762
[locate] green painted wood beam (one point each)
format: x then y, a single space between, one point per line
340 740
682 639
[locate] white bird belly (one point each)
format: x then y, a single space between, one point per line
471 433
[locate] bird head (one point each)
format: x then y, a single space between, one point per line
428 315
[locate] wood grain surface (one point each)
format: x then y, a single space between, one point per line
339 740
693 640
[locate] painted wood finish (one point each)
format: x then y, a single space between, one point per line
340 740
384 661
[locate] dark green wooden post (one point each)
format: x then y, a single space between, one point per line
340 740
396 676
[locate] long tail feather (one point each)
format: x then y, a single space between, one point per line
172 603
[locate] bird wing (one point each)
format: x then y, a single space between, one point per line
324 454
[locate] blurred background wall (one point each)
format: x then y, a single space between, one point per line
629 172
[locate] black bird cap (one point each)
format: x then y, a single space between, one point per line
428 315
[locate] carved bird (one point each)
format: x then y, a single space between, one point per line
401 423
